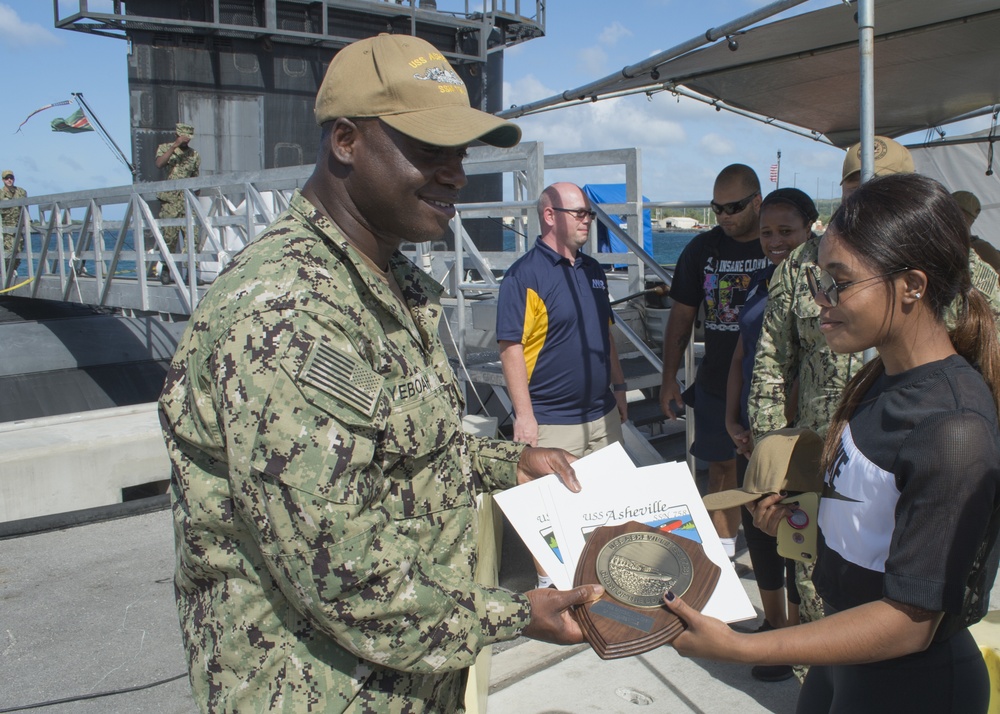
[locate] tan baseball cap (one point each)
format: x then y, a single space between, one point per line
6 173
890 158
784 460
968 202
409 85
184 129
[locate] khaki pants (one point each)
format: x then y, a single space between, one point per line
581 439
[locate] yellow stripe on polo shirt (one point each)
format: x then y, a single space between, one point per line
536 327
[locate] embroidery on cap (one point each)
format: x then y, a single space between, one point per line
345 378
439 75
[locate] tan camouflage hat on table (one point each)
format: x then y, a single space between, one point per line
891 157
184 129
409 85
784 460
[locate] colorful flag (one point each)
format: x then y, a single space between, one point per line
42 109
73 124
774 173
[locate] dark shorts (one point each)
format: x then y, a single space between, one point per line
711 440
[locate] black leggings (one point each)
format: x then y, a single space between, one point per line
771 570
947 678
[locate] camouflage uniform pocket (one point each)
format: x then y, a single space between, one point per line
423 454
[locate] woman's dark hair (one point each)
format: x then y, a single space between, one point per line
911 221
795 198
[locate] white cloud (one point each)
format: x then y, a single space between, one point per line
592 60
611 124
526 89
717 145
15 32
613 33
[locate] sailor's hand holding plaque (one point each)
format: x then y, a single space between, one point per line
637 564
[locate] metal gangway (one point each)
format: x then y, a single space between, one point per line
97 247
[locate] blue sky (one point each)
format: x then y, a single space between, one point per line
684 143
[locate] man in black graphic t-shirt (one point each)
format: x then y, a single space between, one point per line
715 269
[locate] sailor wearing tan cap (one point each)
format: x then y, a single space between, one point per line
971 208
11 216
324 490
180 161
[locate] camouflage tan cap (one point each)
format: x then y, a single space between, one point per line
184 129
891 157
968 202
784 460
7 173
410 86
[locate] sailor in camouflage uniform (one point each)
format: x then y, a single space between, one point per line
323 489
791 344
11 216
180 162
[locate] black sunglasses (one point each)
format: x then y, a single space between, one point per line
11 177
734 207
578 213
826 291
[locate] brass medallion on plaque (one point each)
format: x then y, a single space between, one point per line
637 564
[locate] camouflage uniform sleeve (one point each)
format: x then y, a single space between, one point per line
495 462
306 477
777 361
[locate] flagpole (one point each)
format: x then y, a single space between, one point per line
777 183
104 132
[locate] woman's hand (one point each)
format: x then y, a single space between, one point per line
703 636
768 512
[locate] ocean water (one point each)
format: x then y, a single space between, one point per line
125 268
667 247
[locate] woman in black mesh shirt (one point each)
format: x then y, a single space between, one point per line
911 507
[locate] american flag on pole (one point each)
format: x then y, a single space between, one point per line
774 173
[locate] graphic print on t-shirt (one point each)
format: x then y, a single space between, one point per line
725 288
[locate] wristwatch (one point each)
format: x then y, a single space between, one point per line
623 387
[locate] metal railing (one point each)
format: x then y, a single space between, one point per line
316 23
97 247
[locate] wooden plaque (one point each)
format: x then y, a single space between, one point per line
637 564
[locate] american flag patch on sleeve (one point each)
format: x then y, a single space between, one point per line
343 377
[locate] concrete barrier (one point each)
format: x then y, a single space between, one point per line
75 461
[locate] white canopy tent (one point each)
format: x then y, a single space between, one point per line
935 61
961 164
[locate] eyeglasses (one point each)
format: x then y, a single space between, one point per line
826 290
732 208
8 177
577 213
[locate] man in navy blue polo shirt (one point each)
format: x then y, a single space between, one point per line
553 323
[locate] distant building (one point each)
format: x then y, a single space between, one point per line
683 223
